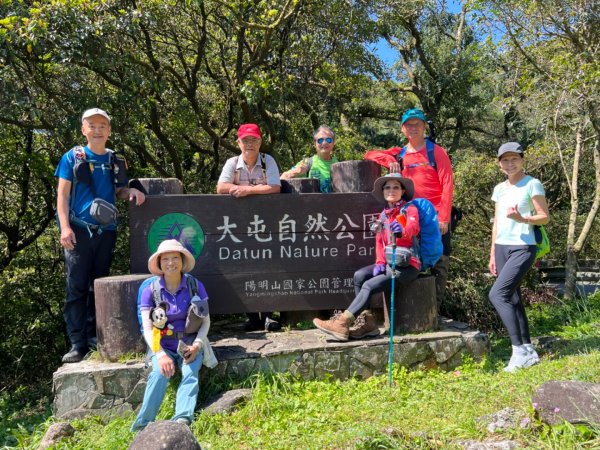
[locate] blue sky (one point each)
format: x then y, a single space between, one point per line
389 55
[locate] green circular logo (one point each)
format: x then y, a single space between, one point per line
182 227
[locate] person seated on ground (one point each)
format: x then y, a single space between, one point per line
175 325
395 191
254 173
319 165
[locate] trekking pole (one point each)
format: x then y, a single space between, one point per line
391 352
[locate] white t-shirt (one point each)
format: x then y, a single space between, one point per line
509 231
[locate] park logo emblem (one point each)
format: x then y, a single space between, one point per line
182 227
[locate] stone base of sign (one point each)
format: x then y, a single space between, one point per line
106 389
354 176
117 318
162 186
300 186
415 306
117 323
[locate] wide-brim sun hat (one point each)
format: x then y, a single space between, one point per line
171 245
407 184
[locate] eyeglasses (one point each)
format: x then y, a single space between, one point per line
328 140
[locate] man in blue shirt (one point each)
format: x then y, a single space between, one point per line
88 244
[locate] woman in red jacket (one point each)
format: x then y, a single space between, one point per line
395 191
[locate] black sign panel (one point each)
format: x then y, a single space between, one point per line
265 252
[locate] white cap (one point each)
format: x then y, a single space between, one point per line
94 112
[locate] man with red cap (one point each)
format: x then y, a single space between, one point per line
251 173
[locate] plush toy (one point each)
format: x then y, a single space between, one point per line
161 327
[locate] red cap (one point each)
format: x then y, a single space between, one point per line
248 129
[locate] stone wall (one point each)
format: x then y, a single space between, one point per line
99 388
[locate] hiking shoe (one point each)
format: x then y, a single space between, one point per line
521 359
254 322
184 421
74 355
533 354
364 326
338 327
272 325
93 343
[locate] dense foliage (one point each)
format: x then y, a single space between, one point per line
179 76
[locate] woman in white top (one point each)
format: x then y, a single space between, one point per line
520 205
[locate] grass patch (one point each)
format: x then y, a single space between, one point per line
22 413
423 409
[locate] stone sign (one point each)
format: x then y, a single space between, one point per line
266 252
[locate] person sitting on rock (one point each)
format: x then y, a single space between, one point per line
395 191
182 346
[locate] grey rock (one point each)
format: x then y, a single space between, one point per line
571 401
489 445
507 418
56 432
91 386
227 401
165 434
548 344
410 354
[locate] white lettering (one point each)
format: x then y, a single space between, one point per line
223 253
245 254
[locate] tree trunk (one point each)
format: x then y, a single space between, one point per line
570 273
571 263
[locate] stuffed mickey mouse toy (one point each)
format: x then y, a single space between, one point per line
158 315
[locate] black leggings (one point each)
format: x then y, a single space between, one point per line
366 284
512 263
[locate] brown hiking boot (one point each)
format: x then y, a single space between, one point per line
364 326
338 327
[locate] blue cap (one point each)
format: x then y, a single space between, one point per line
414 113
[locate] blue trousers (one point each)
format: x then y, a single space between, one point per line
156 386
90 259
512 263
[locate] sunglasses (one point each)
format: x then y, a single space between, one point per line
328 140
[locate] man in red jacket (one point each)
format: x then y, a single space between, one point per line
433 182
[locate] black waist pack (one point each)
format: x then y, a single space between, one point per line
103 212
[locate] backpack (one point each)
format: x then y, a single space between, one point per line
430 156
104 212
456 213
429 247
192 285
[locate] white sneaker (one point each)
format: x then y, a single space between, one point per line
532 353
521 358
